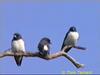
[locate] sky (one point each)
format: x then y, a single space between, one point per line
36 19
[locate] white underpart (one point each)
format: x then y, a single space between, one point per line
72 38
18 45
45 47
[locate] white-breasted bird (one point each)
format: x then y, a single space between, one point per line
18 45
71 38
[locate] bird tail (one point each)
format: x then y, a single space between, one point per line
18 60
67 50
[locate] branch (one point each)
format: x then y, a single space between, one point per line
37 54
75 63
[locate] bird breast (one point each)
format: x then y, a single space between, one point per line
73 35
72 38
18 45
45 47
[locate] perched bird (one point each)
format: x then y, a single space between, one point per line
18 45
71 38
44 46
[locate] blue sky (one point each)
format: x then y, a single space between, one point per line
35 20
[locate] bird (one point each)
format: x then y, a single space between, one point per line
44 46
18 44
71 38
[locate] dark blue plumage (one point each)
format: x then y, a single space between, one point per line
44 46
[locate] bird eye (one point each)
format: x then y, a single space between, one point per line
15 36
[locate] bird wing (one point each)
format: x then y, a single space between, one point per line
63 45
40 47
64 40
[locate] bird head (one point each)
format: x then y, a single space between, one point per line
72 29
47 40
17 36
